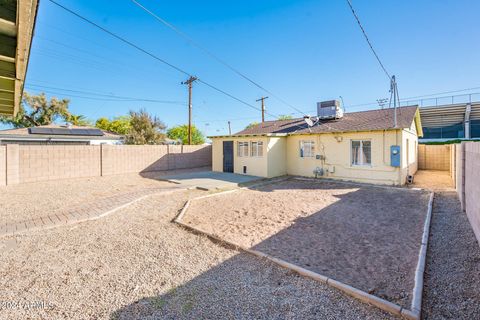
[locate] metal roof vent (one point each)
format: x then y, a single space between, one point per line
329 109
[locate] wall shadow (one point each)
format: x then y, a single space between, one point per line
369 239
175 162
244 287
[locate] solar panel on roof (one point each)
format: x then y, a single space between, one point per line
66 131
40 130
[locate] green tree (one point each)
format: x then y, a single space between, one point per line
120 125
78 120
251 125
285 117
181 133
37 110
145 129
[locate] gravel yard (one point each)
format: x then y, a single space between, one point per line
33 200
452 275
365 236
136 264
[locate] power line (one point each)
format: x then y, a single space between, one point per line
235 98
445 92
191 41
368 40
55 92
120 38
151 54
108 95
432 95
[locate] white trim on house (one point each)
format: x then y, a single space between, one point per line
311 148
243 149
361 155
258 148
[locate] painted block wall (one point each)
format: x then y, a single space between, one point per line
434 157
3 165
31 163
53 162
472 185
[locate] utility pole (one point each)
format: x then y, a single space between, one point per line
396 99
229 129
189 82
394 89
263 107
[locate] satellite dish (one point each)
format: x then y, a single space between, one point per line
308 121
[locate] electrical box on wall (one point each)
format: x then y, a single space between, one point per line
395 156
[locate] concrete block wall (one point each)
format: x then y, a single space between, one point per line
3 165
460 172
472 185
434 157
53 162
12 164
31 163
190 156
131 159
453 163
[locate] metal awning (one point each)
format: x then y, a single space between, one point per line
17 21
447 115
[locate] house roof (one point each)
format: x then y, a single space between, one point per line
25 133
17 22
371 120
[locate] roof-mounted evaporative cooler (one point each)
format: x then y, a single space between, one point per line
329 109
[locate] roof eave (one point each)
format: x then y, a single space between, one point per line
249 135
18 32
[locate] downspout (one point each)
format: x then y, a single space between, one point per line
401 158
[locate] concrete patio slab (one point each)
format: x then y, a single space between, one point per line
209 180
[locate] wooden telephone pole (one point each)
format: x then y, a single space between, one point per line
189 82
263 107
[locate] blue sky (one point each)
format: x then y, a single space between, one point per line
302 51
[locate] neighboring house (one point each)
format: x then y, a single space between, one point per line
360 146
57 134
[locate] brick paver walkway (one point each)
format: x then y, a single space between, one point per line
90 211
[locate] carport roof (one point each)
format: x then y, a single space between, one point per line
371 120
17 20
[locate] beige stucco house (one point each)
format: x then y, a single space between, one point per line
360 146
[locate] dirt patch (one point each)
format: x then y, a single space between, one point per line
433 180
365 236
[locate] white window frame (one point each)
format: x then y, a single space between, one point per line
311 149
256 149
360 164
241 146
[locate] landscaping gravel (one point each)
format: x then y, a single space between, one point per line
136 264
365 236
452 275
33 200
